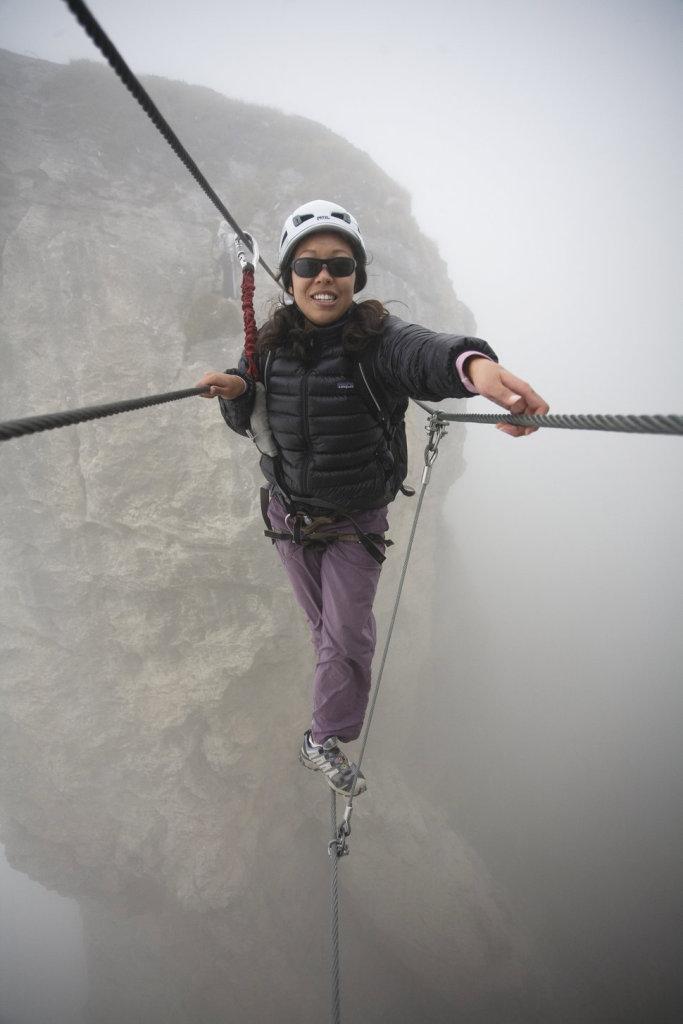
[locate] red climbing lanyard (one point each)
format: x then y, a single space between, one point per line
247 262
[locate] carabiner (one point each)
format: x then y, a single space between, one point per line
248 260
338 847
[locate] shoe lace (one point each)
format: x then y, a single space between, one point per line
338 758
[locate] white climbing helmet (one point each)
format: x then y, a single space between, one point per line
321 215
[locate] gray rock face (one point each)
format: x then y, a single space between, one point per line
156 672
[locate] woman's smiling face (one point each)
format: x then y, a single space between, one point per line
323 299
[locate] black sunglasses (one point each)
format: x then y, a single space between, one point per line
337 266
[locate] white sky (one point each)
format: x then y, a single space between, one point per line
540 140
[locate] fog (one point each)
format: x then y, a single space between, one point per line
568 732
541 145
42 959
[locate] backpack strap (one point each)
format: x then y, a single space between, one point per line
389 415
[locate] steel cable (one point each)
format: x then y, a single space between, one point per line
335 1010
431 452
118 64
337 846
48 421
626 424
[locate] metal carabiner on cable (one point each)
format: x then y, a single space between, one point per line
339 846
248 260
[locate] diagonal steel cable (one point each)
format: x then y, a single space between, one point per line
436 430
92 27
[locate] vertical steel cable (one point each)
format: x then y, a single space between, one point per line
335 1010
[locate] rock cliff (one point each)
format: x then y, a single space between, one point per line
151 649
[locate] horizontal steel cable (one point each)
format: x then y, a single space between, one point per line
48 421
621 424
116 61
626 424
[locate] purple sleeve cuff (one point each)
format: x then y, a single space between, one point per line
460 362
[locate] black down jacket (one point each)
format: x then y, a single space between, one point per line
331 447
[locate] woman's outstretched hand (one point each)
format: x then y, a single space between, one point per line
497 384
227 385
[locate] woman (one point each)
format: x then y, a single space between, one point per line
332 469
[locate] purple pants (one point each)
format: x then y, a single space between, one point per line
336 589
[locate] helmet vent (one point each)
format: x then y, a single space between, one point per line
300 218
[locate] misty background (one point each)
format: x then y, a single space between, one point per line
540 144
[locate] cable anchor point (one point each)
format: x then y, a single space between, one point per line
437 428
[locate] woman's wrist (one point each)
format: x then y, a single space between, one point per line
463 364
241 386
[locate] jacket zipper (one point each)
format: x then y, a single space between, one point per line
380 412
306 431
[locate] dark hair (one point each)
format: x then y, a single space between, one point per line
287 327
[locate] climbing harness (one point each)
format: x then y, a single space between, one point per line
310 528
306 530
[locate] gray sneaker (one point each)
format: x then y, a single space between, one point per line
334 765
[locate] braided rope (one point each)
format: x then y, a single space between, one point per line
118 64
250 330
35 424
